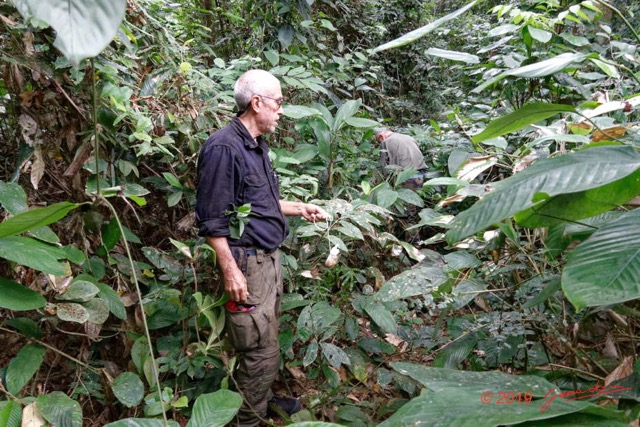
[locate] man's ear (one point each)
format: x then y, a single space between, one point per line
254 103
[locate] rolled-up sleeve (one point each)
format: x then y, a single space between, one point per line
219 175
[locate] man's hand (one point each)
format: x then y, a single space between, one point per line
308 211
313 213
236 285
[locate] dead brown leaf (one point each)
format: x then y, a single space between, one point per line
622 371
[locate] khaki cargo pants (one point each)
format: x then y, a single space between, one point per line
254 334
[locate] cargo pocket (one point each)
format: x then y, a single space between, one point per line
246 330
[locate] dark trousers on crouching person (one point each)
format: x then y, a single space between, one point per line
254 334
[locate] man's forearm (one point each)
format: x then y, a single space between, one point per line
291 208
223 254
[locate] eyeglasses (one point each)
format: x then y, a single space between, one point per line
279 101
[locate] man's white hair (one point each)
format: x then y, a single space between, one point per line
253 82
379 130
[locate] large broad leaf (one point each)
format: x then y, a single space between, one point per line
128 389
83 27
15 296
22 367
570 173
79 290
12 197
334 355
358 122
464 408
464 398
300 111
34 254
10 414
142 422
114 301
60 410
72 312
316 319
215 409
605 268
539 69
381 316
585 204
453 55
416 281
422 31
35 218
346 110
529 114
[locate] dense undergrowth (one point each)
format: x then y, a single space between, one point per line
516 275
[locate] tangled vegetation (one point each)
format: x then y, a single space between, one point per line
510 297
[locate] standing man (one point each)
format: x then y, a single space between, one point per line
401 150
233 170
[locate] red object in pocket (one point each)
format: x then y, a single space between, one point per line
236 307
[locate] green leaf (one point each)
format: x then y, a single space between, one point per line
454 397
376 346
72 312
316 319
404 175
570 173
346 110
310 354
17 297
32 253
22 367
453 55
350 230
410 196
215 409
386 197
26 326
83 28
97 309
10 414
359 122
80 291
59 409
12 197
382 317
300 111
111 234
172 180
539 69
422 31
128 389
462 407
608 69
116 306
584 204
525 116
542 36
25 221
142 422
334 355
605 268
409 283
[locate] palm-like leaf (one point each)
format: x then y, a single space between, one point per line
605 268
571 173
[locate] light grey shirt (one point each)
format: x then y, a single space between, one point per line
401 150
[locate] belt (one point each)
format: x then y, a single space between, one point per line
254 251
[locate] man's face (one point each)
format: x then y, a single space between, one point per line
381 136
270 109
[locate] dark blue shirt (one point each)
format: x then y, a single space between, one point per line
234 169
